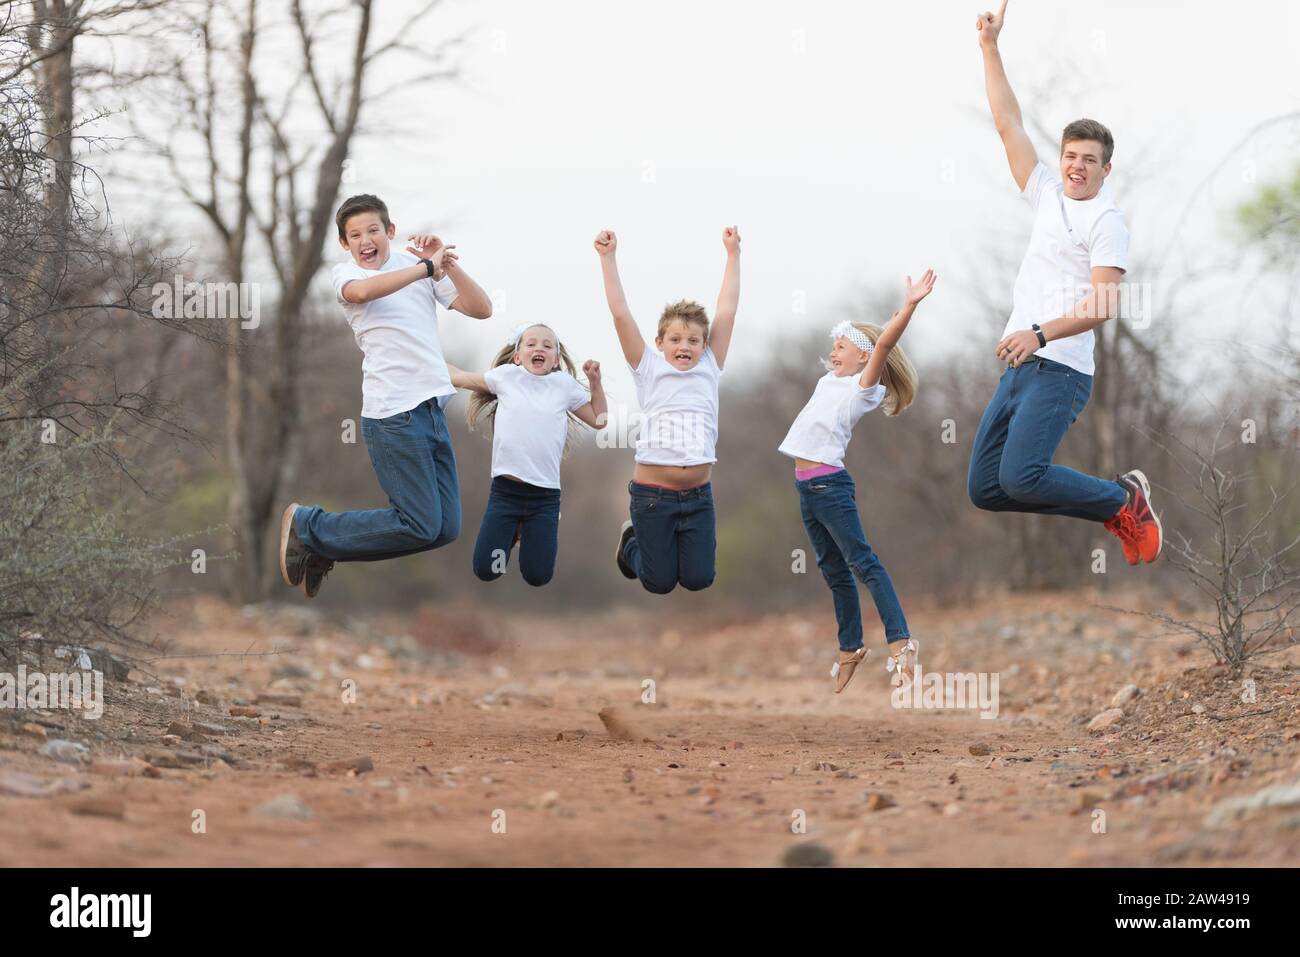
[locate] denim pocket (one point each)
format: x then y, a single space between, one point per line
396 422
1054 368
643 503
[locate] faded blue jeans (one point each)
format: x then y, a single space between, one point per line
830 515
416 466
1011 466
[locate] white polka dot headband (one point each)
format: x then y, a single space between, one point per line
855 335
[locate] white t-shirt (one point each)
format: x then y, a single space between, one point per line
402 362
1070 238
821 431
532 422
679 410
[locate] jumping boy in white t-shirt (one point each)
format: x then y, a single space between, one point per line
390 298
1067 286
671 538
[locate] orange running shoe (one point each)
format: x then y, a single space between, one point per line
1136 525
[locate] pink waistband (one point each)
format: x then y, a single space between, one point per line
804 475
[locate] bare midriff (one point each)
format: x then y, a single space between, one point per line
806 464
672 476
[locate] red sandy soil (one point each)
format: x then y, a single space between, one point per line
469 719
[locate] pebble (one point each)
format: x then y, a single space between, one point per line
1124 695
1104 720
877 800
286 806
360 765
808 854
69 752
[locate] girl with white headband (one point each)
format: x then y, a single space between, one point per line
866 368
532 402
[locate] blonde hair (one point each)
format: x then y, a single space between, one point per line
683 310
483 405
899 377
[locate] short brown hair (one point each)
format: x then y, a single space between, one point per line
1086 129
361 203
683 310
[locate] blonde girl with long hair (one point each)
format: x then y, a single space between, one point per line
866 369
532 403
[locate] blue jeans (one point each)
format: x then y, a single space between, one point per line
1011 466
415 464
675 540
830 515
535 512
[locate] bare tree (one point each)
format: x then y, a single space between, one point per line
1236 561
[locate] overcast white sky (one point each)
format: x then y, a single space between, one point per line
850 142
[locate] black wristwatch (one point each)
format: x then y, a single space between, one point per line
1038 331
428 268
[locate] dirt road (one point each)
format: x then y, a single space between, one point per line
477 741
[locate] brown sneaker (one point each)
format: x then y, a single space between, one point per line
314 570
842 670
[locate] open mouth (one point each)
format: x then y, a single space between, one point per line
682 356
1076 179
538 362
369 254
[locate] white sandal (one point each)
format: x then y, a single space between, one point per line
902 663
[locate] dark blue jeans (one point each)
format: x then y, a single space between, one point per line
415 464
1011 466
675 540
535 512
830 515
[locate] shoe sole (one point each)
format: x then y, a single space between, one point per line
618 554
286 525
1146 492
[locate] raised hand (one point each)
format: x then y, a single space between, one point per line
430 247
731 239
423 245
591 369
990 25
916 291
606 242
